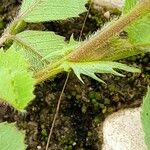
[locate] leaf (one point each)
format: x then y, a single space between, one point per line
145 118
11 138
90 68
129 4
48 10
42 47
16 83
138 31
64 50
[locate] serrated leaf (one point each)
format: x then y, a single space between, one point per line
65 49
138 31
90 68
11 138
16 83
145 118
47 10
42 47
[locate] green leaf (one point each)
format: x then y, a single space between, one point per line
11 138
145 118
47 10
138 31
65 49
129 4
42 48
16 83
90 68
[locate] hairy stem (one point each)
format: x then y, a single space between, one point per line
87 50
17 24
3 39
42 76
13 28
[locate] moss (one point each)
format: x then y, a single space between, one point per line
68 147
89 134
94 95
68 143
43 132
97 120
104 110
2 24
78 96
84 108
106 101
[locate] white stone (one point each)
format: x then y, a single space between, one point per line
109 3
39 147
123 131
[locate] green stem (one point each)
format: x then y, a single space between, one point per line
40 77
19 26
4 38
15 27
87 50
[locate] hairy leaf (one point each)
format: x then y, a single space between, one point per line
90 68
42 47
16 83
138 31
47 10
145 118
11 138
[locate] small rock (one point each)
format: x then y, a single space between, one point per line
107 15
123 131
109 3
39 147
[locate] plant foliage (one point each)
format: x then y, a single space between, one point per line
39 48
145 118
138 31
47 10
42 47
36 55
40 54
16 82
11 138
90 68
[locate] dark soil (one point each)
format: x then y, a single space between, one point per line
84 106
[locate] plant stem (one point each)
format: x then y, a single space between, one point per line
45 74
57 111
88 49
3 39
13 28
17 25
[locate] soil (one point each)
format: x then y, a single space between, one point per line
84 106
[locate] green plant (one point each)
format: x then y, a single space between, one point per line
145 118
11 138
35 56
48 54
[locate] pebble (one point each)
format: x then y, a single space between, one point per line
123 131
39 147
109 3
